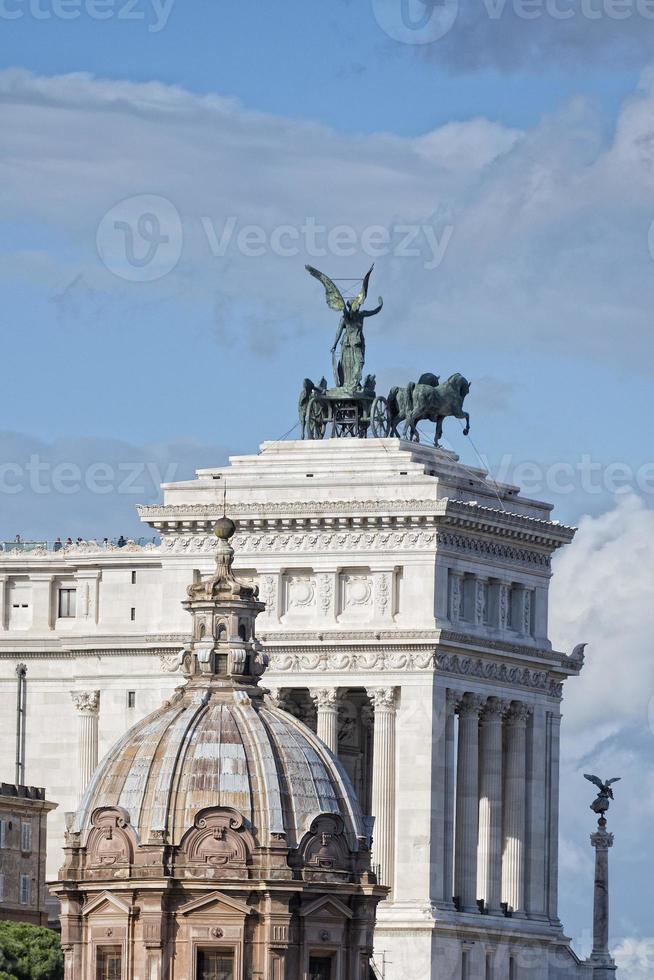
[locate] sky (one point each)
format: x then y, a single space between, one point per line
166 171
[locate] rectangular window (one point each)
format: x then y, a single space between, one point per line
67 603
133 578
26 835
215 964
2 888
109 963
25 889
3 833
132 613
131 699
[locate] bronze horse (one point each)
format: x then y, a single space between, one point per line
428 400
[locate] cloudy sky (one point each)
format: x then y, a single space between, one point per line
165 173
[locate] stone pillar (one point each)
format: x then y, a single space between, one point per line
601 960
467 804
553 754
537 806
88 708
451 703
383 782
489 850
326 702
513 856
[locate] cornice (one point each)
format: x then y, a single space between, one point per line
359 515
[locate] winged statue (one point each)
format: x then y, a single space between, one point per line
348 365
605 795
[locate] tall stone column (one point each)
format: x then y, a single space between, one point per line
513 856
489 849
553 755
603 963
451 702
326 702
383 782
467 803
88 709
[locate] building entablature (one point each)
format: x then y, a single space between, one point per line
373 517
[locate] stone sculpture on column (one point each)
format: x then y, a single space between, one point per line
603 964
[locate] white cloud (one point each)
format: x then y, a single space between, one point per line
635 958
602 594
544 233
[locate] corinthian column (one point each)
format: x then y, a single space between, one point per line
326 702
451 701
467 803
513 856
383 782
88 708
603 963
489 850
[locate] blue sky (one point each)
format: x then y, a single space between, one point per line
516 152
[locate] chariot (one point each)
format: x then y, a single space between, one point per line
339 414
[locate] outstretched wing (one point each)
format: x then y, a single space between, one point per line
334 299
361 298
594 779
616 779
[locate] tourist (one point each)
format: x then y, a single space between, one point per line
121 541
57 546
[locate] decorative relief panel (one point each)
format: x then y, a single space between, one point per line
356 595
299 594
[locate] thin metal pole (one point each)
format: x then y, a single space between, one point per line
21 713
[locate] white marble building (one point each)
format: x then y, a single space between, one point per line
406 618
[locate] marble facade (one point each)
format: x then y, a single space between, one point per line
406 619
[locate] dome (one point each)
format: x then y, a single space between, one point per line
221 748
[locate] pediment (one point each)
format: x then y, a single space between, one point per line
226 902
105 901
327 904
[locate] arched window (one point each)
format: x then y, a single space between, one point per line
222 632
242 631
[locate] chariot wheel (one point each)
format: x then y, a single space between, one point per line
380 422
317 422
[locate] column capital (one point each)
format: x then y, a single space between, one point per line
324 698
452 700
495 708
278 696
601 840
86 702
471 704
518 713
382 698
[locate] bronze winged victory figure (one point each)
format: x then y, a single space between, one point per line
348 366
603 801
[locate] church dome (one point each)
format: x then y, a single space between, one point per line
218 747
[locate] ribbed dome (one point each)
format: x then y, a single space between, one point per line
220 748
